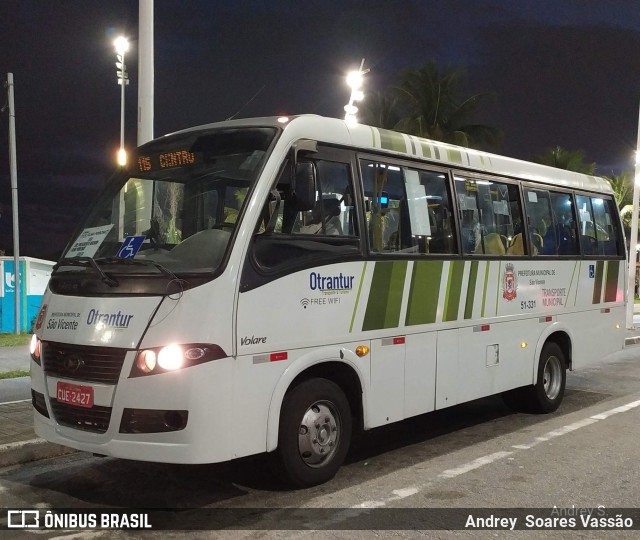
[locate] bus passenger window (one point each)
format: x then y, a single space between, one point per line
430 212
408 209
540 224
565 223
386 211
490 217
599 234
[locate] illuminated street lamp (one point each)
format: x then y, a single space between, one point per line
355 80
122 46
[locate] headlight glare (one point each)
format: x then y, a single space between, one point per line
34 348
170 357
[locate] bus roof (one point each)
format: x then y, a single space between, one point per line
363 137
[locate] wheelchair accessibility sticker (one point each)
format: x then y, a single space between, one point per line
130 246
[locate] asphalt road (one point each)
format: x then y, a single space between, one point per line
15 389
19 388
477 455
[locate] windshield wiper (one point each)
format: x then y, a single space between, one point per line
140 262
86 262
179 282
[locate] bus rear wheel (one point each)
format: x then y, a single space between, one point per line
315 432
547 393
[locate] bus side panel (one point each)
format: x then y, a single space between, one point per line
420 374
597 333
496 357
596 310
387 380
447 371
254 383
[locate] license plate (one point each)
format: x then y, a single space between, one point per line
74 394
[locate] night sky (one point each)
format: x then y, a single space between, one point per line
561 72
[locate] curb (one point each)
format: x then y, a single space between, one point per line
32 450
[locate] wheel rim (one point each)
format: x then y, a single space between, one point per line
319 434
552 377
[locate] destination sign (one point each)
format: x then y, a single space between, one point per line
166 160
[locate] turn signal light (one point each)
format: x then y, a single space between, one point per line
362 350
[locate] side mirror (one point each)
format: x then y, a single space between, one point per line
304 187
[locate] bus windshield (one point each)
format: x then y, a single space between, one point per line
175 207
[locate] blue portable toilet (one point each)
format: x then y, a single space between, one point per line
34 276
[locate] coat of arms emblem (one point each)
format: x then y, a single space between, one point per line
509 284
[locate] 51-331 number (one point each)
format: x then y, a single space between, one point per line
527 304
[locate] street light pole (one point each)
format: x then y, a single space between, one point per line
354 81
145 72
633 240
122 46
14 198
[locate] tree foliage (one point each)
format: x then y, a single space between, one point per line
622 186
427 102
570 160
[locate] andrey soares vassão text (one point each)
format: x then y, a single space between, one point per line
559 518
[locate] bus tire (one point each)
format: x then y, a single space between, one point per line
546 395
314 433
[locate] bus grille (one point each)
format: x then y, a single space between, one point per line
95 419
83 362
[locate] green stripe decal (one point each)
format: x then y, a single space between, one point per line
385 296
573 275
454 155
486 283
500 278
355 308
597 285
575 299
426 149
424 292
471 290
392 140
454 287
611 286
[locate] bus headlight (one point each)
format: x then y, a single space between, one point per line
174 357
146 361
170 357
35 348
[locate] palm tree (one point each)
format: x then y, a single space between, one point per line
380 109
571 160
426 103
622 188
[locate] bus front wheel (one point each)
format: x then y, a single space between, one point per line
315 432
